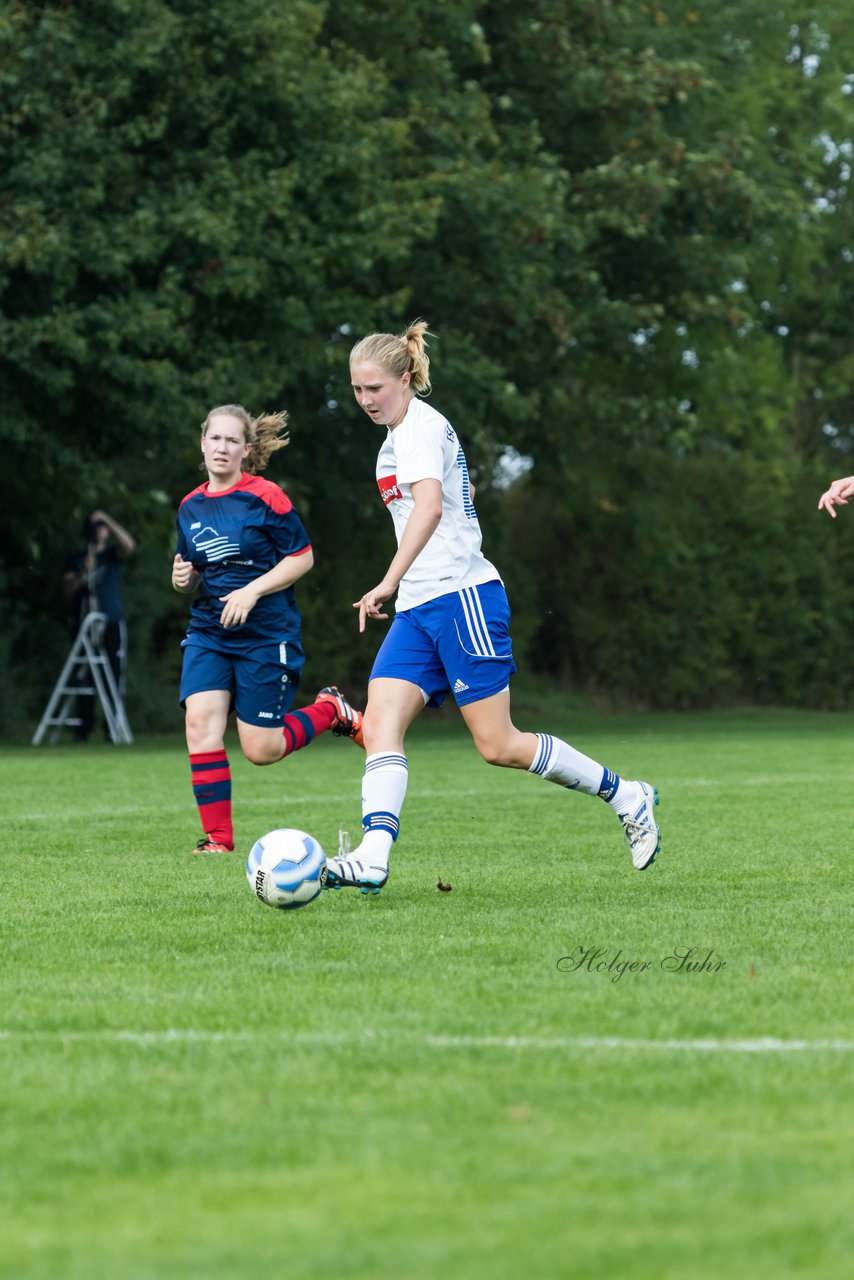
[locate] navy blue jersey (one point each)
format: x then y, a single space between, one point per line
232 538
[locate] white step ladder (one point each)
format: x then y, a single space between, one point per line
87 672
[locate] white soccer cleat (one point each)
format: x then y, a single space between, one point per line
346 872
641 829
350 873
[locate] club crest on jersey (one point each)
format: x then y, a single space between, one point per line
216 546
388 489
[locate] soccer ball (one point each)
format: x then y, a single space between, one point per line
286 868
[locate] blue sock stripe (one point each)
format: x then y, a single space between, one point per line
608 787
210 792
307 725
209 766
542 759
382 821
386 762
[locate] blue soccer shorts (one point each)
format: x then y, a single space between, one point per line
262 681
458 643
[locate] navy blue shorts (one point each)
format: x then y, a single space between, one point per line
261 682
458 643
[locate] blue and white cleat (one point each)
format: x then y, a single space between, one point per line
349 873
346 872
641 829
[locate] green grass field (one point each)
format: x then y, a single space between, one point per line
411 1086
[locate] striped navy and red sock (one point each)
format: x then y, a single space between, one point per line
301 727
211 777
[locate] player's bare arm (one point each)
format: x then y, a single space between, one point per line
238 605
420 527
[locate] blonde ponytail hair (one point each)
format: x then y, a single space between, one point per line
399 353
264 434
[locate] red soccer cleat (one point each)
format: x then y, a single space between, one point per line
206 845
348 721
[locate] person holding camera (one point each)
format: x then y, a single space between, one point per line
92 583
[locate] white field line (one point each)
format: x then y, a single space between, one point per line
766 1044
142 811
189 1035
101 811
287 805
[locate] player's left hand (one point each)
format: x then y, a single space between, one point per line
837 495
237 606
371 603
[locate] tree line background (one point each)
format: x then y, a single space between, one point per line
629 226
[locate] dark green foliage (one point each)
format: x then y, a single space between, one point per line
628 226
710 580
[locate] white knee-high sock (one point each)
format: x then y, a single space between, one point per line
557 761
383 794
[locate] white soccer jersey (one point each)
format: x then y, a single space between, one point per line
425 447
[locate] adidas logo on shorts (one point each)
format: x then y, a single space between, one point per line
460 687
